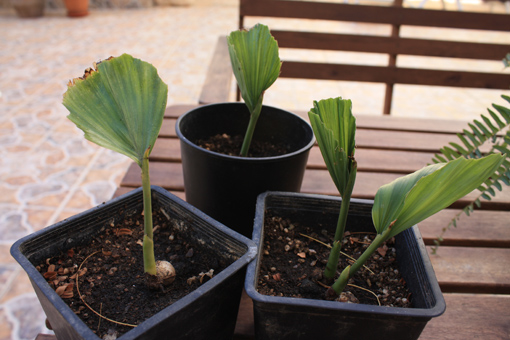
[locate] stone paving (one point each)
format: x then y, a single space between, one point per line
48 171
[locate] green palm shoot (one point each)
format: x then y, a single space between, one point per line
256 66
335 129
404 202
119 104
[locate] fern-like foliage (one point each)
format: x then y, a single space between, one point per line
489 131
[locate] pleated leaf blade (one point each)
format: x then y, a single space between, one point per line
119 106
255 62
420 195
335 130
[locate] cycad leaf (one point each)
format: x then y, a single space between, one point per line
496 119
482 127
477 132
503 111
468 145
488 122
417 196
460 149
255 62
119 106
335 129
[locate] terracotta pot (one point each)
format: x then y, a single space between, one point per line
28 8
77 8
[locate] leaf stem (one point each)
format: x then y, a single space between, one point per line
149 260
254 116
349 271
332 264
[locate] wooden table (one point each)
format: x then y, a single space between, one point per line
473 263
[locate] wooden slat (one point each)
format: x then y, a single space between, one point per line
470 316
400 75
378 122
374 14
390 45
169 176
168 128
367 184
166 175
472 270
219 78
174 111
481 229
376 139
369 159
371 122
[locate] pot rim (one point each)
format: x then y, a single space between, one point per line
301 150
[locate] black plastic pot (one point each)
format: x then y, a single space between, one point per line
226 187
209 312
294 318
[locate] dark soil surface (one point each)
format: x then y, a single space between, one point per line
294 258
110 277
231 145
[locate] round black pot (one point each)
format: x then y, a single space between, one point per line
283 318
226 187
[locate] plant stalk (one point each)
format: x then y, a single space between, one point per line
349 271
332 264
254 116
149 260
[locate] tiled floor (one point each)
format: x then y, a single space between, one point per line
49 172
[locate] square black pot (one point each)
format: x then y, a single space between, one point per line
209 312
296 318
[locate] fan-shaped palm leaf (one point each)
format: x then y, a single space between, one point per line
119 106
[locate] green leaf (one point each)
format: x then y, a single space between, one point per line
412 198
460 149
482 127
439 159
503 111
255 62
120 106
450 153
496 119
486 197
335 129
477 132
497 185
390 198
477 203
490 125
468 145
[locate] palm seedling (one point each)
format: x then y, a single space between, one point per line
398 205
119 104
256 66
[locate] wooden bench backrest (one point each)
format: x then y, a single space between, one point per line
392 45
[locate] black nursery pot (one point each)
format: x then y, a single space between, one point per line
295 318
209 312
226 187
